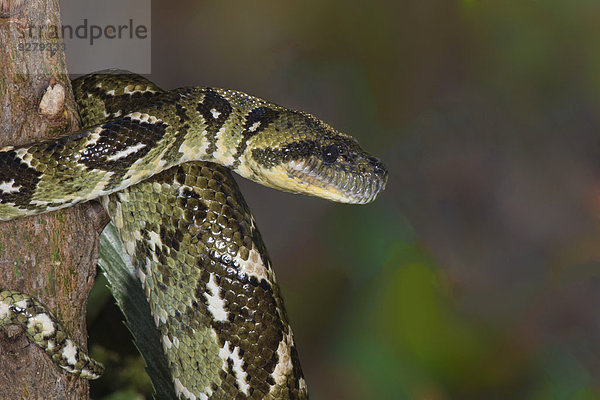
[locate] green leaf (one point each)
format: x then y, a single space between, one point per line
129 295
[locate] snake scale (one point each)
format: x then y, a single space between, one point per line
160 162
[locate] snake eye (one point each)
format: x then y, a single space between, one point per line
330 153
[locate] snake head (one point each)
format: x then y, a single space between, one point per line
299 153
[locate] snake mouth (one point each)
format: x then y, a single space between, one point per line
339 183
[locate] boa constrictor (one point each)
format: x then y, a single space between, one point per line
160 162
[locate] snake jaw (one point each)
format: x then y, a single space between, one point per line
336 183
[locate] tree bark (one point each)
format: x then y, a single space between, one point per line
53 256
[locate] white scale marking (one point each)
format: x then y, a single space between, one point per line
155 241
191 152
25 156
69 352
215 113
124 153
94 135
68 368
133 89
167 342
237 369
44 321
224 152
302 384
142 276
182 390
216 304
284 363
253 266
87 372
254 126
143 117
160 315
22 304
9 187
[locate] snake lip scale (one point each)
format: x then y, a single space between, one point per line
354 188
161 162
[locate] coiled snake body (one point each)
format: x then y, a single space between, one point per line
160 162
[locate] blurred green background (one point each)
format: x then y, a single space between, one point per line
475 275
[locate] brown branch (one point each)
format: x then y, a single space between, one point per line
51 256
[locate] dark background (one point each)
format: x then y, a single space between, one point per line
475 275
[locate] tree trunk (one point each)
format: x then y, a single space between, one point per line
51 256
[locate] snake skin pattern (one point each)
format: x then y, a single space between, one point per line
42 328
161 166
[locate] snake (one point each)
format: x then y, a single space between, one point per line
161 163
